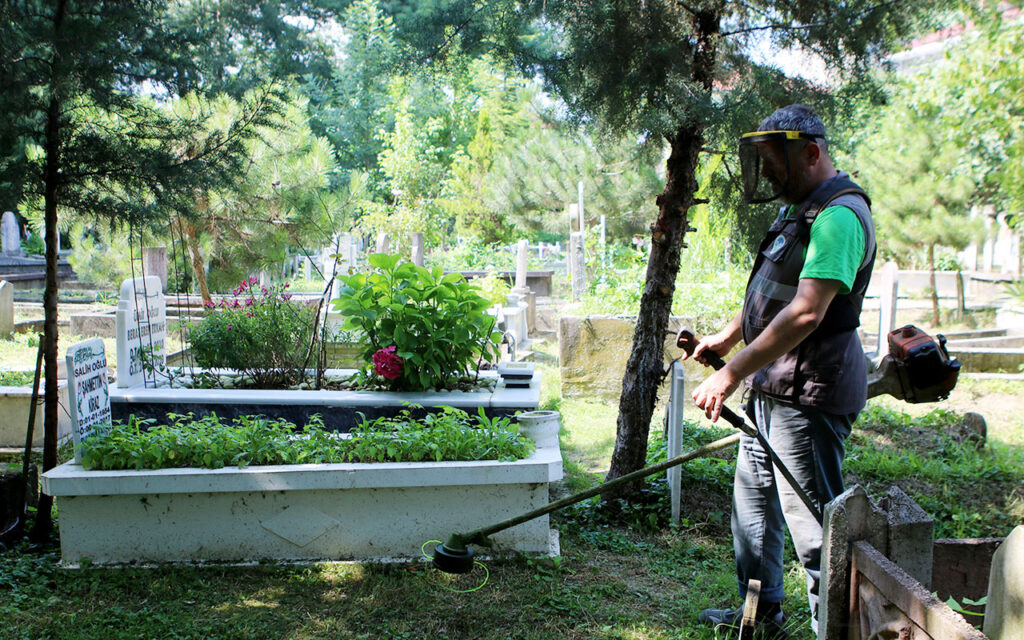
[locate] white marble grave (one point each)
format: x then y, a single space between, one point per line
10 235
141 330
6 309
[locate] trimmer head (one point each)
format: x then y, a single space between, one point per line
453 556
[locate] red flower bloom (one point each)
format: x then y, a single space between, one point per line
387 364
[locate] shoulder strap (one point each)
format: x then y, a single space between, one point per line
811 214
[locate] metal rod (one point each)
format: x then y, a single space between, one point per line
479 536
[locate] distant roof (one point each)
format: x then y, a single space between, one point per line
929 47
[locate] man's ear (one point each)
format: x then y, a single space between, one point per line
812 153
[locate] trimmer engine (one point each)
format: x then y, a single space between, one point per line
917 369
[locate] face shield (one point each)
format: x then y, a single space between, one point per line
764 163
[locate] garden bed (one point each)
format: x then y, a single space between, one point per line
339 409
382 511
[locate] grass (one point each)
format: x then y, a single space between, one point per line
19 351
637 582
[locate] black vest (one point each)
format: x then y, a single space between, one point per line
828 369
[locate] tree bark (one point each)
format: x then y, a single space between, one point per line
43 525
644 369
192 242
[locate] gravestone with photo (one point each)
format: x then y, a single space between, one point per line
88 392
141 331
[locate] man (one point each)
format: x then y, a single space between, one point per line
803 359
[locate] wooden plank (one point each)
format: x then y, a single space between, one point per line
920 606
749 621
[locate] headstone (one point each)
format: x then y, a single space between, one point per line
576 265
888 297
6 309
141 330
522 258
154 262
417 249
88 392
383 243
1004 613
10 235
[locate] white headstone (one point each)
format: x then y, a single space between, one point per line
522 257
10 235
141 328
887 301
383 243
6 309
88 393
154 261
1004 615
417 249
576 265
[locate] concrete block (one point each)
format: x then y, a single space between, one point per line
6 309
1004 613
909 535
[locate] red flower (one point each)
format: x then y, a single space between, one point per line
387 364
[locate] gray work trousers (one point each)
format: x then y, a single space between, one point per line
810 443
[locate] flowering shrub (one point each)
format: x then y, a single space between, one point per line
424 330
258 332
387 364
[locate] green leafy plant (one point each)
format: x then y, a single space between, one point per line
424 329
260 332
16 378
206 442
34 245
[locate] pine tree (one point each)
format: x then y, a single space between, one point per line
86 136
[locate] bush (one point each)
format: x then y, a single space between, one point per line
259 332
34 245
205 442
424 330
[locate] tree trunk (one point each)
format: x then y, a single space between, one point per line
644 370
192 242
934 285
43 525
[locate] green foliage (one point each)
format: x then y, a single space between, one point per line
437 323
206 442
259 332
709 291
474 255
650 509
941 465
493 288
34 245
101 256
16 378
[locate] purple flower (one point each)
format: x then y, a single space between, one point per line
252 280
249 302
286 296
387 364
230 326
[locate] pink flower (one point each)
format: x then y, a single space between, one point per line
286 296
287 284
230 326
387 364
209 304
264 290
249 302
236 304
252 280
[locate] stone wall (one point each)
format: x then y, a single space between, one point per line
593 350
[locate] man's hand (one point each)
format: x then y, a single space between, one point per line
719 343
711 394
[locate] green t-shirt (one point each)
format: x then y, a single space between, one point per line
836 248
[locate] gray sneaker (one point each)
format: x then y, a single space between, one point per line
768 626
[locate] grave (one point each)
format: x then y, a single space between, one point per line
141 331
6 309
10 235
90 393
1004 613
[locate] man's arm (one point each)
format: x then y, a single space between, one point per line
795 322
720 343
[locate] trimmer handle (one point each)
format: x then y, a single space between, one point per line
686 341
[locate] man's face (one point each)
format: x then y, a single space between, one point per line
786 179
